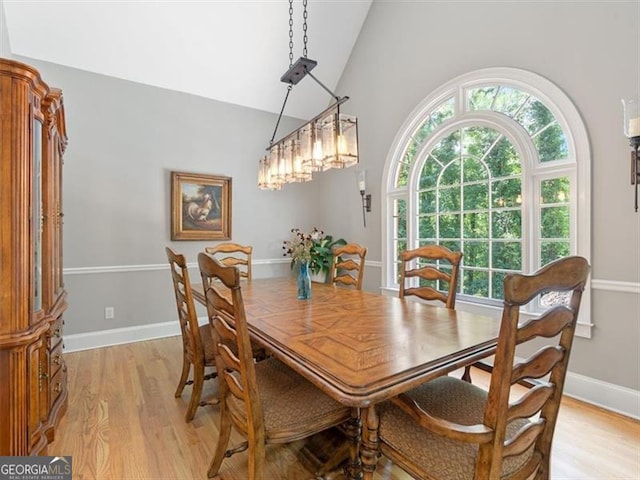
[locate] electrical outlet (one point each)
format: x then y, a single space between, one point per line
109 313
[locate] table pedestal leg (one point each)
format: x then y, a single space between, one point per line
369 445
353 469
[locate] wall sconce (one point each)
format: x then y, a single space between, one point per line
361 176
631 109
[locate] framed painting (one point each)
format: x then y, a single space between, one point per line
200 207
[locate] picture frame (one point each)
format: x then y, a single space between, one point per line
200 206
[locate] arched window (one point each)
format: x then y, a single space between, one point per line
496 164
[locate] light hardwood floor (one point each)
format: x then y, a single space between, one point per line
123 423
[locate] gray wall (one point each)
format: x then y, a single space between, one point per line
125 138
591 50
5 47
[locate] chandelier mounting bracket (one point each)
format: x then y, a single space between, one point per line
298 70
301 69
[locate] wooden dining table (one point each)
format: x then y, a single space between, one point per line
359 347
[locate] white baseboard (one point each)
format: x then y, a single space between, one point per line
119 336
606 395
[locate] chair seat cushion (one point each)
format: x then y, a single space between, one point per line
454 400
291 403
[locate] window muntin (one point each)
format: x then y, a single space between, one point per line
469 198
399 234
532 114
437 116
552 146
554 213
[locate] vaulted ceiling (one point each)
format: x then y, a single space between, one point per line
232 51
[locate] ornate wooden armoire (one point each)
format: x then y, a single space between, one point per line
33 384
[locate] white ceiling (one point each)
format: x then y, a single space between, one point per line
232 51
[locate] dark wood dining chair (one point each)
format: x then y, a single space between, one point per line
347 267
197 343
436 265
450 429
235 255
266 402
437 270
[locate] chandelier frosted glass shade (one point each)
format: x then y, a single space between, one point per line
328 141
339 141
311 147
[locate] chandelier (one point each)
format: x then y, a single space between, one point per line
329 140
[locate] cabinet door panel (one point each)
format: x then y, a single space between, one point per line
37 214
37 380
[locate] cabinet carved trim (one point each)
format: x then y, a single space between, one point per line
23 338
33 373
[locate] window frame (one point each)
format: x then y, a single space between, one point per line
577 166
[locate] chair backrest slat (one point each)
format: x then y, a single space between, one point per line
530 403
426 293
523 439
555 320
538 365
219 302
428 273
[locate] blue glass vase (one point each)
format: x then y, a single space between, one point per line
304 281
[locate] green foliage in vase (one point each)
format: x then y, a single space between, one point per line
314 248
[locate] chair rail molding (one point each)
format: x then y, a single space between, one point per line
161 266
615 286
151 267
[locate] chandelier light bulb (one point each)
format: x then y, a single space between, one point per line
317 150
342 145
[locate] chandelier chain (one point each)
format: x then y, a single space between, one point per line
304 28
295 157
291 33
